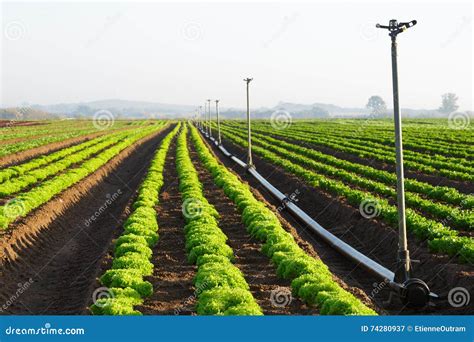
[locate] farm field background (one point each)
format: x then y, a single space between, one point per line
147 217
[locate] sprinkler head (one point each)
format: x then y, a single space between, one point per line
394 27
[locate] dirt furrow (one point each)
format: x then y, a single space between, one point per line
371 237
24 156
272 293
433 179
55 252
172 276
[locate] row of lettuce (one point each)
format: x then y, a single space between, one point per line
438 160
425 138
38 169
440 238
52 134
310 278
40 128
42 192
366 178
21 169
418 162
221 287
133 249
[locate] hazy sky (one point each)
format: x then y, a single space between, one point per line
184 53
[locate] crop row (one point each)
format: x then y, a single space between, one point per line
311 280
424 130
448 167
440 193
26 202
222 288
17 170
437 160
14 185
32 143
46 127
460 219
133 249
440 238
35 163
416 143
428 167
416 161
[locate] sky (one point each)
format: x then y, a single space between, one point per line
183 53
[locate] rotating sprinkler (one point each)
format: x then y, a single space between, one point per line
249 138
209 117
219 140
200 117
412 291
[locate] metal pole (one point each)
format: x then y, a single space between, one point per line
403 253
205 118
209 110
219 141
403 269
249 154
200 117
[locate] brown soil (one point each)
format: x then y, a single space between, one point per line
371 237
174 293
271 293
24 156
57 250
28 137
21 157
12 123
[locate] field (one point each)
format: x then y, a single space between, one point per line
149 217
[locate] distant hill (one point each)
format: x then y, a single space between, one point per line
25 113
142 109
121 108
322 110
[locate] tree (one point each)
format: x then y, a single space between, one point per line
449 103
377 104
